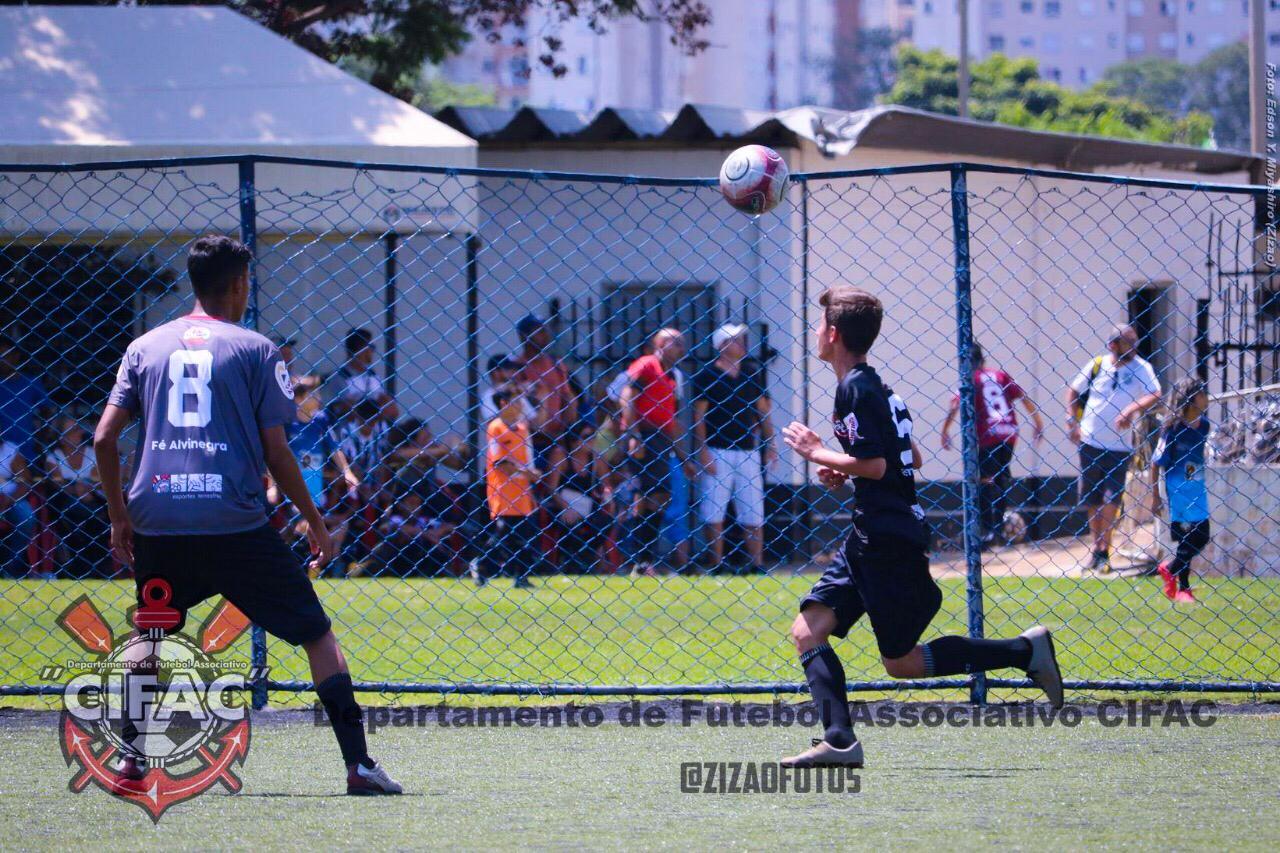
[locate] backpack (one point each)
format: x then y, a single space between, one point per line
1082 400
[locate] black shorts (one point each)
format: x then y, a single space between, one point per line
994 462
653 469
254 570
887 578
1102 474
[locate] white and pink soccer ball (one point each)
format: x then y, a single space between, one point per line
753 179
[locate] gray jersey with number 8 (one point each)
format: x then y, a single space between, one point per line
203 389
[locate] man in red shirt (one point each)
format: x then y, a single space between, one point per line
996 392
653 432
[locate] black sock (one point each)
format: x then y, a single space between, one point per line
339 701
825 674
954 655
1184 576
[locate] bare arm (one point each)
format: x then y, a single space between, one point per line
764 409
950 419
700 435
917 459
344 468
1037 420
283 467
1132 411
106 447
806 442
627 401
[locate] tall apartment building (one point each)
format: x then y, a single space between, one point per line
1076 41
763 54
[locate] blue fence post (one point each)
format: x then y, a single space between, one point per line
968 416
249 236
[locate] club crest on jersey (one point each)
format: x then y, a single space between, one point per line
847 427
196 335
283 380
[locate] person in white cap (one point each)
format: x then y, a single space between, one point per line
734 438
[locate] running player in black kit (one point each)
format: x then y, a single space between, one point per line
884 572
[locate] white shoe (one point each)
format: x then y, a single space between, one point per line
823 754
363 781
1043 669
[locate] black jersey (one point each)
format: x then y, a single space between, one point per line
872 422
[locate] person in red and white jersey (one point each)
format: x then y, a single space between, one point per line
995 395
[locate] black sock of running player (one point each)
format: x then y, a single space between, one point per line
825 674
954 655
339 700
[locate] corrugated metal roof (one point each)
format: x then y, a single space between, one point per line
834 132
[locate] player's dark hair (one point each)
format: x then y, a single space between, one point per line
356 340
855 315
1181 396
502 396
214 262
976 356
367 409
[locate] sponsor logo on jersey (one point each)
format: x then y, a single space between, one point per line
190 444
847 428
197 335
195 485
283 380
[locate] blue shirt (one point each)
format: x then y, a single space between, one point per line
1181 454
312 442
20 396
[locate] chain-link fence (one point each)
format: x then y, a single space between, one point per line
481 378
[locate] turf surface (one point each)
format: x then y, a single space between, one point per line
1087 787
619 630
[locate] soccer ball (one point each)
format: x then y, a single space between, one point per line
753 179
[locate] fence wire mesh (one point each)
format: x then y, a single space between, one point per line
469 345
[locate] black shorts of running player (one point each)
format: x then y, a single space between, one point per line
886 577
254 570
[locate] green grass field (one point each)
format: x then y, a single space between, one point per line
611 787
618 630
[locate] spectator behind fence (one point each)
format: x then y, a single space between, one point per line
414 534
356 379
1180 455
584 505
1103 401
78 505
731 423
17 518
25 406
415 454
545 378
364 442
312 441
652 430
510 478
995 392
501 373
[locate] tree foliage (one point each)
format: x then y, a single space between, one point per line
1011 91
393 39
1217 86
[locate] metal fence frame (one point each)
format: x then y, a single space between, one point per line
977 685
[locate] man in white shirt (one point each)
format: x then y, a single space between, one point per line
1103 401
356 380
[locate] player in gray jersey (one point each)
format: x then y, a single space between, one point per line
213 399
